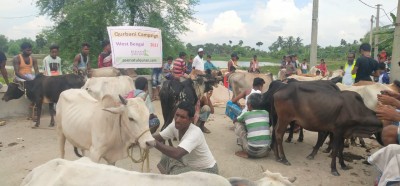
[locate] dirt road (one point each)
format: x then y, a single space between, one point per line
25 148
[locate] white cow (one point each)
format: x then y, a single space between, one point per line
242 81
105 72
85 172
114 86
105 128
369 93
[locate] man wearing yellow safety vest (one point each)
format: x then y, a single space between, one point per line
348 78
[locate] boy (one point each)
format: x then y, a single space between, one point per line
254 133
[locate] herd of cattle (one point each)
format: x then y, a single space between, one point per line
93 116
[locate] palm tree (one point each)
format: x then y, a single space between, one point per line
240 42
230 42
280 42
259 44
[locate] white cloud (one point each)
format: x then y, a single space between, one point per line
226 26
338 19
29 29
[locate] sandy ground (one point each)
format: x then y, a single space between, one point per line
25 148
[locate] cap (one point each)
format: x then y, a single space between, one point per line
200 50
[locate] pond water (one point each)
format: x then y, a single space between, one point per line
224 64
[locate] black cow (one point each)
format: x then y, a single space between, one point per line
173 92
318 107
44 89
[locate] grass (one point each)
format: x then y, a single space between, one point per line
332 65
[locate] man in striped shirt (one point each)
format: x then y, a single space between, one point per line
253 130
179 67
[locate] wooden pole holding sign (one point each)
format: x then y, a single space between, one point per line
135 47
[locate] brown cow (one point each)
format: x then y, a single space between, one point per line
316 107
240 81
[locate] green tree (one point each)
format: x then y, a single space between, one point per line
240 42
3 43
79 21
40 41
259 44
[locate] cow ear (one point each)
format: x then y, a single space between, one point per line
115 110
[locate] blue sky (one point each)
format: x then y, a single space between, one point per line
218 21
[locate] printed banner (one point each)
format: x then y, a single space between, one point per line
135 47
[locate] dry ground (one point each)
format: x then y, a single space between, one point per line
25 148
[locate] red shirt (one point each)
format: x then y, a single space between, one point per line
104 60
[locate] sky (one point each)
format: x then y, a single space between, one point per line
218 21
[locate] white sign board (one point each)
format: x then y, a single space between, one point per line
135 47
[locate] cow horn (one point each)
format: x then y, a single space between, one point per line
123 100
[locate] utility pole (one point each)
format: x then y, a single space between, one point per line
376 44
371 32
395 70
314 34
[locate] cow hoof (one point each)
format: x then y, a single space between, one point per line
51 125
335 173
310 157
35 127
288 140
300 140
347 167
284 161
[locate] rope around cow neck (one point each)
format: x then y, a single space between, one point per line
144 155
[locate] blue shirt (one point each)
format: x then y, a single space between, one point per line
209 65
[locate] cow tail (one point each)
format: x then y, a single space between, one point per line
76 152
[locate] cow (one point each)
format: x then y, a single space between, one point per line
44 89
103 127
240 81
323 110
370 91
85 172
114 86
173 92
105 72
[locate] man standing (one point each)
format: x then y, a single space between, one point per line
179 67
52 63
189 64
348 78
365 65
3 70
192 153
24 62
105 58
81 61
198 63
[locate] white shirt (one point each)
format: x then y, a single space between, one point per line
46 64
193 141
198 63
252 91
347 78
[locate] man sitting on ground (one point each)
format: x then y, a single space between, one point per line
253 134
192 153
207 108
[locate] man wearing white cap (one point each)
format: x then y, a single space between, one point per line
198 63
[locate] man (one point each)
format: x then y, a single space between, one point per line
304 67
253 130
189 64
141 90
348 78
167 68
3 70
179 67
254 66
208 65
365 65
258 84
207 108
198 63
322 66
192 153
105 58
24 62
52 63
156 82
81 60
290 67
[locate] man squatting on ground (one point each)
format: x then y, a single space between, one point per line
192 153
253 129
